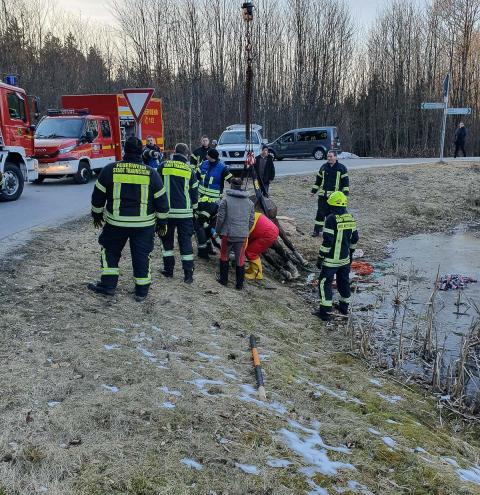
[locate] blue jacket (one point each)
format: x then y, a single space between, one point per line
212 177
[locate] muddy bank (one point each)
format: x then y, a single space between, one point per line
109 397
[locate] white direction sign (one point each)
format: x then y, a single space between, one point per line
433 106
459 111
137 100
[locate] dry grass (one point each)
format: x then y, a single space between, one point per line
91 441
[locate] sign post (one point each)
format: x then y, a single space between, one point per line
137 99
446 111
446 91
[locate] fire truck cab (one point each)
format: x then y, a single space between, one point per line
89 133
16 140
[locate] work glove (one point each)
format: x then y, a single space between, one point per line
97 220
319 262
161 229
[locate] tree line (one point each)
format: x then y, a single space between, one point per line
313 65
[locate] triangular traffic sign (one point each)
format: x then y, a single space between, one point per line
137 99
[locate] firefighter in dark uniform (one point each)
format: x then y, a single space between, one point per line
181 185
331 177
211 179
200 154
129 196
340 237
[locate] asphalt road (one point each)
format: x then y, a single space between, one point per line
56 201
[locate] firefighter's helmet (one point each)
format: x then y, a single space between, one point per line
338 198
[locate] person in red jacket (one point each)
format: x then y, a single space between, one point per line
261 237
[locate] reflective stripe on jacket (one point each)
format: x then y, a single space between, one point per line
212 177
130 194
331 178
181 185
340 236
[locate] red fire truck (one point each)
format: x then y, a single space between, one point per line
16 140
88 133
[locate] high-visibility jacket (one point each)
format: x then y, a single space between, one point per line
130 194
331 178
181 185
212 177
198 157
340 237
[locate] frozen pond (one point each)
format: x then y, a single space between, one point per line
401 289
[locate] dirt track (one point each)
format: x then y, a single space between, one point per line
84 405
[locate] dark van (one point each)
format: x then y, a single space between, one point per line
309 141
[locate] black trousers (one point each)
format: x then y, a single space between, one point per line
184 228
323 211
342 275
205 213
459 147
113 240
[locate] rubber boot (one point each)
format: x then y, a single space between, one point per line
240 277
168 265
323 313
141 292
210 249
99 288
188 276
317 230
254 270
223 277
203 253
343 308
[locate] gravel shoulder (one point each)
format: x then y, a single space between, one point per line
108 396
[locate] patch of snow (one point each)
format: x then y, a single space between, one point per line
337 394
450 461
111 388
309 445
375 382
264 357
246 468
210 357
472 475
156 329
168 405
166 390
390 442
191 463
141 337
174 337
278 463
53 403
392 422
201 382
119 330
392 399
224 441
272 406
111 347
229 375
421 450
346 155
374 432
42 489
146 353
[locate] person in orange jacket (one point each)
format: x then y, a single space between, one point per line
261 237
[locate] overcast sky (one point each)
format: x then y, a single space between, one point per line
363 10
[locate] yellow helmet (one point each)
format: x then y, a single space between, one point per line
337 198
